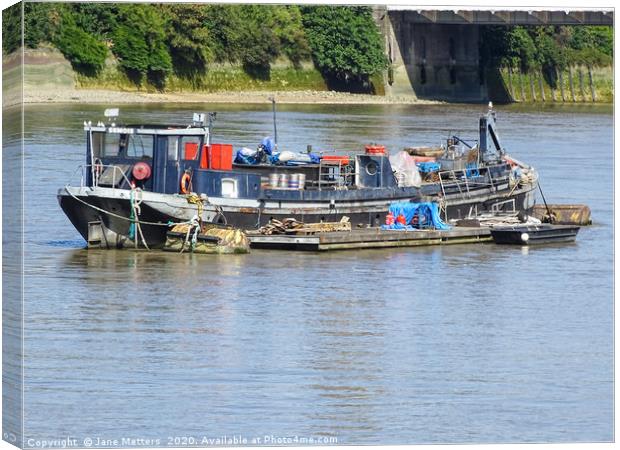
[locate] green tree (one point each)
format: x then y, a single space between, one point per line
12 28
260 46
546 47
42 22
288 27
224 24
139 44
345 42
98 19
85 53
188 39
591 45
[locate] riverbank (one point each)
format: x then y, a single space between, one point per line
49 78
55 95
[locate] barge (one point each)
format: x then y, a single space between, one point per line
139 179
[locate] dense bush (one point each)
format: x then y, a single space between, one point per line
152 40
345 42
11 28
42 21
286 21
85 53
98 19
139 44
546 47
188 39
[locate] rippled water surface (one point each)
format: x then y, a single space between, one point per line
457 344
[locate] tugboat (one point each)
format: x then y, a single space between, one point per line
140 179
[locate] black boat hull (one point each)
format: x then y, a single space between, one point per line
87 208
535 234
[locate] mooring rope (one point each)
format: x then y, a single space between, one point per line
118 216
135 216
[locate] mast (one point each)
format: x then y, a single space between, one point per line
488 135
275 129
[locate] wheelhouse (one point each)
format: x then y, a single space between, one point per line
167 159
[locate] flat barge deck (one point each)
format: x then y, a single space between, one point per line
369 238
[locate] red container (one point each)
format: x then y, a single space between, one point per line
191 151
375 150
217 157
204 157
336 159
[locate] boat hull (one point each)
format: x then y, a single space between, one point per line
535 234
110 209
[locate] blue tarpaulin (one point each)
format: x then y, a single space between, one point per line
427 167
471 170
268 145
426 215
242 157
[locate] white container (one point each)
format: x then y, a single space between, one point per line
273 180
283 180
293 182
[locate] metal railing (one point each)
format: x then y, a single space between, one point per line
334 174
97 170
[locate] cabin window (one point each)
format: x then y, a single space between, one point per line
189 147
140 146
173 148
112 144
105 144
229 188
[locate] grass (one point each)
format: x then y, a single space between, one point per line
218 78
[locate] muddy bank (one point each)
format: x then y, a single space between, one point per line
43 95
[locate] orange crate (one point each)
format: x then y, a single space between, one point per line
221 156
336 159
375 150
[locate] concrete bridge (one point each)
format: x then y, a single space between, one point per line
434 54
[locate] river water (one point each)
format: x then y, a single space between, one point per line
458 344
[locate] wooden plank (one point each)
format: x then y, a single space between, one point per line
373 238
592 91
570 83
581 89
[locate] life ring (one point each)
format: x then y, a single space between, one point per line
186 183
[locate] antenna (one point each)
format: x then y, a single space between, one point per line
111 114
275 129
211 116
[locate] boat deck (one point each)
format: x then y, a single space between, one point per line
370 238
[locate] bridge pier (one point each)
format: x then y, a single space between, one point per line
434 54
433 61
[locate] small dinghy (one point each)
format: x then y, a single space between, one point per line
534 234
